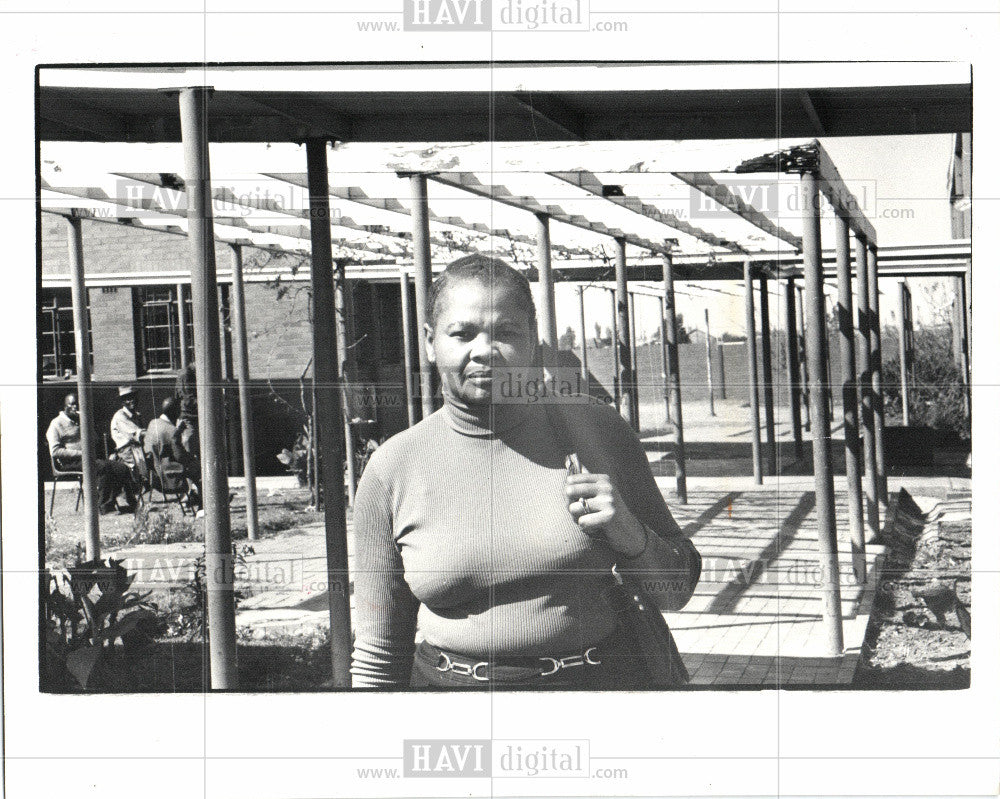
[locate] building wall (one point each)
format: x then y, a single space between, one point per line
278 329
112 332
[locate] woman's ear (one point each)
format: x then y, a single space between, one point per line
429 342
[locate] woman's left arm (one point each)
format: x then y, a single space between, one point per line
628 509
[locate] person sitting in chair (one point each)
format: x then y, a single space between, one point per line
113 477
127 433
172 461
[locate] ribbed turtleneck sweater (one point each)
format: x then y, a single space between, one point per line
461 522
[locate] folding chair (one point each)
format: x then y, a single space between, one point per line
65 475
168 478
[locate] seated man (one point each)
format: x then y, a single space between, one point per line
113 477
126 424
127 433
171 460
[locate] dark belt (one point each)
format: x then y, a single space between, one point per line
512 668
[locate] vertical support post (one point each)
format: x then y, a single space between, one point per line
616 380
407 314
626 376
243 381
211 409
828 388
817 354
584 368
635 355
182 325
422 283
666 357
708 366
878 390
721 357
803 361
867 400
548 336
849 398
792 364
673 381
751 331
345 372
965 286
84 394
904 353
765 365
329 413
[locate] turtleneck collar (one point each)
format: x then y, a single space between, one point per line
484 421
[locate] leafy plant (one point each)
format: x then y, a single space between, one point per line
89 607
936 389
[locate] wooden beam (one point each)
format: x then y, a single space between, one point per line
725 197
501 194
589 182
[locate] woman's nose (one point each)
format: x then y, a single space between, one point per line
481 347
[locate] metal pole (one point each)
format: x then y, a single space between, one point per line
548 336
803 362
849 398
208 375
616 381
708 366
673 383
765 365
84 397
422 282
878 391
792 345
626 377
329 413
666 357
817 354
867 401
243 381
828 387
904 352
584 369
182 325
635 356
407 314
345 373
966 288
751 330
720 352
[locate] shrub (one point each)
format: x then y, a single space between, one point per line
936 390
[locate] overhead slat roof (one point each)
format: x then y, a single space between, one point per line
512 102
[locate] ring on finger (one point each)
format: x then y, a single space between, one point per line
584 505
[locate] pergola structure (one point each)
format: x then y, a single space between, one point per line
360 105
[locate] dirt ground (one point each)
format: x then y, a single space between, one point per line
909 645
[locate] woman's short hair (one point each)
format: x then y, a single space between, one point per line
488 270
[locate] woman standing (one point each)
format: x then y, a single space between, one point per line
470 527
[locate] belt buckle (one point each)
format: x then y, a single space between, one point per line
445 664
570 661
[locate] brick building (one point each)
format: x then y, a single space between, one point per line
141 332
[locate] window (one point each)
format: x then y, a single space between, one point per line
159 336
56 339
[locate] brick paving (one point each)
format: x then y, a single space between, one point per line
756 618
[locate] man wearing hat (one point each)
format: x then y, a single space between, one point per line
127 431
126 424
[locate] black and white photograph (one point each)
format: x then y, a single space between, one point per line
500 422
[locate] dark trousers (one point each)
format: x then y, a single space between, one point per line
113 478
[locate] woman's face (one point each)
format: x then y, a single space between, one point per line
481 336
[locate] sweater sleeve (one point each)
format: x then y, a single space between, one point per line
670 566
385 609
